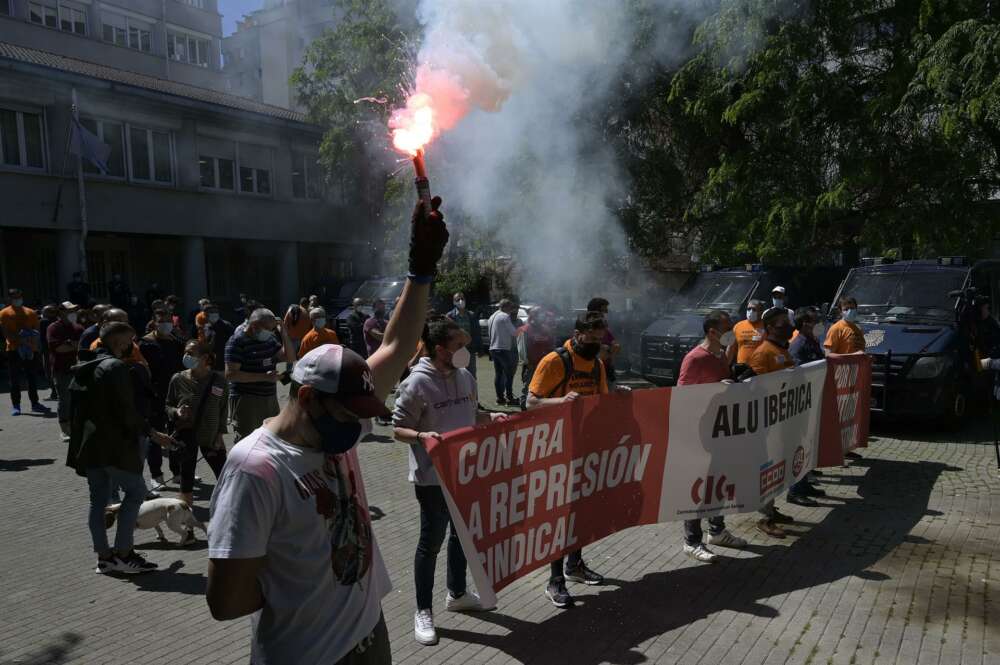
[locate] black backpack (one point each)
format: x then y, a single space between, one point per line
569 371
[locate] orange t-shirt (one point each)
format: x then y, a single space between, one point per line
317 338
135 357
845 337
748 338
298 329
550 373
14 321
769 357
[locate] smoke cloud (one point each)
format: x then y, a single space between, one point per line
519 88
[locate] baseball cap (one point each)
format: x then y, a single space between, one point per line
778 289
340 372
67 306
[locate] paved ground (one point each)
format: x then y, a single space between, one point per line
899 565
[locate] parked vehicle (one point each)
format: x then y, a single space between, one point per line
923 358
387 288
667 340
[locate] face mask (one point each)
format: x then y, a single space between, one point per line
262 335
190 362
778 302
165 328
71 317
338 437
753 316
213 318
460 304
460 359
587 350
727 338
319 324
17 302
850 315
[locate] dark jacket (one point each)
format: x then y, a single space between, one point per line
105 425
470 324
356 326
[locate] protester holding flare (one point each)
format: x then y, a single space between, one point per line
290 507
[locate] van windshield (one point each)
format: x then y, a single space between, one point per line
714 291
387 290
906 294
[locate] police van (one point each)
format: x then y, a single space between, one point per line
665 342
924 363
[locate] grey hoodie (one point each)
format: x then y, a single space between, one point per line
431 401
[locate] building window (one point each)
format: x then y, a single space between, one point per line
21 140
216 172
185 48
149 155
200 4
112 134
255 181
305 177
65 16
5 7
127 31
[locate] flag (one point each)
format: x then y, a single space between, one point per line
89 147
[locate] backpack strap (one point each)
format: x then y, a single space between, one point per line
567 360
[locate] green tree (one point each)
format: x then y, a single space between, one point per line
797 129
369 54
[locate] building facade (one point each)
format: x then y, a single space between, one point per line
269 44
205 193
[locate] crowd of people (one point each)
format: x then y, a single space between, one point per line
289 505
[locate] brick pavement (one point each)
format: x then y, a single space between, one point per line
898 565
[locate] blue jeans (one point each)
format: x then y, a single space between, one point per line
434 518
103 480
504 366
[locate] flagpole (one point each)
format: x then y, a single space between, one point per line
83 197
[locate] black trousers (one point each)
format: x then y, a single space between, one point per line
187 460
17 367
556 575
434 518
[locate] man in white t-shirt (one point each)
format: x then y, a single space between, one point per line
503 351
290 539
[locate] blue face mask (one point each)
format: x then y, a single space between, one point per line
263 335
336 437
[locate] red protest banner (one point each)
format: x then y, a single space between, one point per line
846 412
558 478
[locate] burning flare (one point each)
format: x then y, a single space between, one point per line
438 102
413 126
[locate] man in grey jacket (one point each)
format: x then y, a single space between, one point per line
439 395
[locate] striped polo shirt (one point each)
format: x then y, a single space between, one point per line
255 357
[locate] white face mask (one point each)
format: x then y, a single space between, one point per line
850 315
165 328
319 324
460 304
753 316
190 362
71 317
727 338
460 359
778 302
819 331
213 317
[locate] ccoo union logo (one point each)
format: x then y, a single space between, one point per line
772 476
712 490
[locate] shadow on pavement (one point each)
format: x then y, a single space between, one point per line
171 580
609 626
23 464
57 652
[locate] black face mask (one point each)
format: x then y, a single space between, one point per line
586 350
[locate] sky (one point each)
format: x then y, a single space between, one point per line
233 10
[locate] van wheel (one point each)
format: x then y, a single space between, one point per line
955 417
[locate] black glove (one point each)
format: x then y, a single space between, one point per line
428 236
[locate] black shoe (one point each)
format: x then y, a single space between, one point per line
817 473
501 401
558 594
583 575
513 401
812 490
852 455
801 500
780 517
133 563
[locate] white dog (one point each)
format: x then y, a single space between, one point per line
174 513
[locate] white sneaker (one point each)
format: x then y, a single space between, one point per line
699 552
423 628
467 602
727 539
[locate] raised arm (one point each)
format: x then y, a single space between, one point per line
428 238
